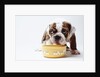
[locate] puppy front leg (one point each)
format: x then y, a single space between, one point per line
73 45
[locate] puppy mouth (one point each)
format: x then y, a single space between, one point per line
57 42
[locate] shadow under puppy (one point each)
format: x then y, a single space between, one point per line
60 34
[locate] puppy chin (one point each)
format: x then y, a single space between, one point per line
59 43
62 43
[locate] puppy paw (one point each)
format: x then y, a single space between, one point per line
75 52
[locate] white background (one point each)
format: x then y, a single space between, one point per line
13 65
29 32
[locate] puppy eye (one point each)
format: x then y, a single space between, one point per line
64 31
52 31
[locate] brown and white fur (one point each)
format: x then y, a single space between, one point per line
59 34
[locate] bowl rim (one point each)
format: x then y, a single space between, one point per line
54 45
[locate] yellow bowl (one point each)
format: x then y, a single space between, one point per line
54 51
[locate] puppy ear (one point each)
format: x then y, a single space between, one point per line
53 25
66 25
69 26
45 37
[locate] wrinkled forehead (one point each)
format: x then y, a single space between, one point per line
59 26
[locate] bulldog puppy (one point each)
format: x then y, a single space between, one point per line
59 34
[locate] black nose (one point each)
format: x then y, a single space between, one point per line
57 37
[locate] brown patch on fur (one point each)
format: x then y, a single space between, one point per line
53 25
73 42
52 29
66 25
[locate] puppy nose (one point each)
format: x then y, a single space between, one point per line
57 37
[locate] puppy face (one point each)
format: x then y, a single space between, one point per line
57 33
